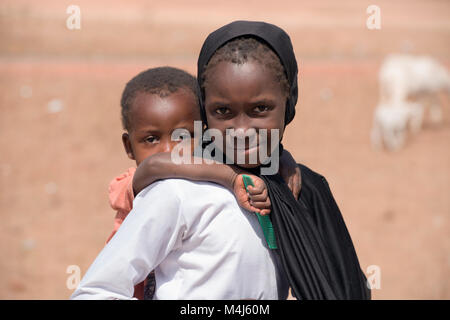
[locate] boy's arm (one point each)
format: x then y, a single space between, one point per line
160 166
152 230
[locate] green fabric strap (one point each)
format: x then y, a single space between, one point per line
264 221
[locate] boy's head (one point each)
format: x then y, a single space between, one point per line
154 104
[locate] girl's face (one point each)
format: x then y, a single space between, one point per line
242 97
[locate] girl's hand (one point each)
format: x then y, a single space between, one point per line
257 198
290 172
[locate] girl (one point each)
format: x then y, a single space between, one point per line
247 73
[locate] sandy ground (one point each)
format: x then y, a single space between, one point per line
56 161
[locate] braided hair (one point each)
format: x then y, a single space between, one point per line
245 48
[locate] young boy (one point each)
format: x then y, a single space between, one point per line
196 231
154 104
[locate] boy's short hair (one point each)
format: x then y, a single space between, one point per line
162 81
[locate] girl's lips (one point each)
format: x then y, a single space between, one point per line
247 152
247 145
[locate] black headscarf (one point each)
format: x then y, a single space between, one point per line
276 38
315 247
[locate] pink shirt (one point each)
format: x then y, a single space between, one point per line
121 197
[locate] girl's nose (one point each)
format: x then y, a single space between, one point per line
242 133
241 123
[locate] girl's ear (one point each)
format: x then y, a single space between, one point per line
127 145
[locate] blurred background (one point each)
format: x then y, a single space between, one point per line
60 131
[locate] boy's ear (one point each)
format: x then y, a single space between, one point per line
127 145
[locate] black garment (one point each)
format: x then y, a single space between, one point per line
315 248
314 244
277 39
150 286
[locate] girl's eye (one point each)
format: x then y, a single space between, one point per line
222 110
260 109
151 139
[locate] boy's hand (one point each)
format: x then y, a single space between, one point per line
290 172
257 198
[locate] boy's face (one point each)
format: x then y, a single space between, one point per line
245 96
153 119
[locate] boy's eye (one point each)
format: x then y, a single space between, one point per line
222 110
262 108
151 139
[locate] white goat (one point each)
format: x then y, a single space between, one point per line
401 78
392 123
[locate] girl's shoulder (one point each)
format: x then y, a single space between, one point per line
310 175
314 184
316 195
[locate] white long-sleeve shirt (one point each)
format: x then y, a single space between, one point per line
201 244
